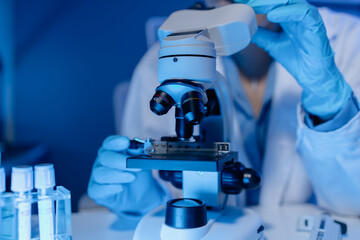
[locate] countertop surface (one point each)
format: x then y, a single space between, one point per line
279 222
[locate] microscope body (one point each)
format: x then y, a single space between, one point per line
203 166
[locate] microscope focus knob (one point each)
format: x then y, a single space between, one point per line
251 179
236 177
185 213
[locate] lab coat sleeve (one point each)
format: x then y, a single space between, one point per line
340 119
332 158
332 162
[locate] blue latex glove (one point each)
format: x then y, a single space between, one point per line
122 190
304 50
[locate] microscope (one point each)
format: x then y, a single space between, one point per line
203 165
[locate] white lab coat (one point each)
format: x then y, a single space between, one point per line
298 161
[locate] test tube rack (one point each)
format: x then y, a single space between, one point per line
10 205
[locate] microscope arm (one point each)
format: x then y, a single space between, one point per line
226 105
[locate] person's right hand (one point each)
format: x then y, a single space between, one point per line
122 190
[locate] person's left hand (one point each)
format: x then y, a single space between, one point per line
304 50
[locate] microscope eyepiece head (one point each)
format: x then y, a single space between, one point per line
193 107
161 102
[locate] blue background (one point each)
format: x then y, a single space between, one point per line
70 57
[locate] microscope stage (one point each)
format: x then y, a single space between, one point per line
182 162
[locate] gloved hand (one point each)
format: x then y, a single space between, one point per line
122 190
304 50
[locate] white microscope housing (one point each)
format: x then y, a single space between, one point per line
190 40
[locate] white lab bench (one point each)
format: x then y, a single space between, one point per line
279 223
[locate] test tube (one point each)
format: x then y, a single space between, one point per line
44 184
2 189
21 185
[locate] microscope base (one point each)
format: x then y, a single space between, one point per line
230 224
